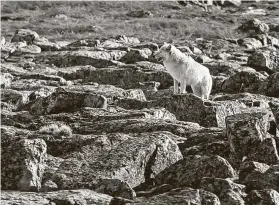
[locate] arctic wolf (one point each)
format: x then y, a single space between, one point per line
186 71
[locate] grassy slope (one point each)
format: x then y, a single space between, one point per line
171 22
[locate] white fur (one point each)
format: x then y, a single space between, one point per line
186 71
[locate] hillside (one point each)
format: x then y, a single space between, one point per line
88 114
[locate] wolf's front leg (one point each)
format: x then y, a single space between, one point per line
175 87
183 87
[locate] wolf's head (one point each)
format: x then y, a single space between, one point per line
164 52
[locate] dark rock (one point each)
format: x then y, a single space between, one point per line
190 170
217 84
270 86
248 167
46 45
15 98
115 188
250 43
139 14
203 136
265 180
23 164
218 186
228 192
275 109
155 190
136 55
265 152
230 197
220 148
265 196
49 186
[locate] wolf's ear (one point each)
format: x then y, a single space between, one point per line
168 48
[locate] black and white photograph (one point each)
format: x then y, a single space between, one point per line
140 102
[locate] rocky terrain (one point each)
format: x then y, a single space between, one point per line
95 121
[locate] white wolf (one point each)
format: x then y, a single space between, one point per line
186 71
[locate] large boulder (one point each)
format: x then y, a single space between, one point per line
6 80
190 170
250 43
136 55
262 179
264 61
228 192
23 164
244 81
29 49
46 45
221 67
265 196
24 35
254 25
97 161
245 131
275 109
270 86
265 152
14 98
190 107
248 167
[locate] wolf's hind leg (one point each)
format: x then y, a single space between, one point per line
183 87
205 91
175 86
197 90
206 87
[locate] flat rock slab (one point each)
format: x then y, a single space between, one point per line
63 101
132 158
124 76
81 197
193 109
99 121
190 170
175 196
97 59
